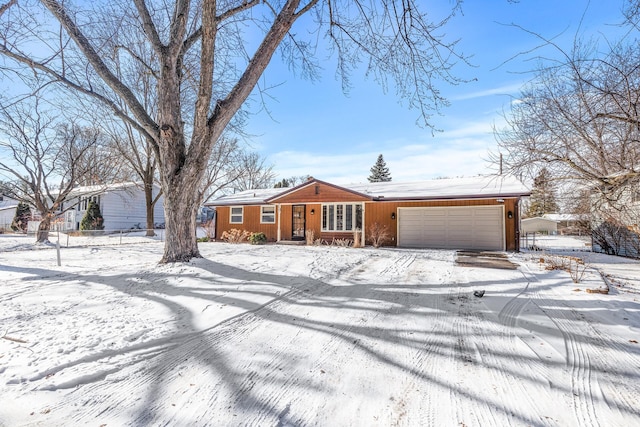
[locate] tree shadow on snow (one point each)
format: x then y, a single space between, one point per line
423 322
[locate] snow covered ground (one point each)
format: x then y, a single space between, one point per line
300 336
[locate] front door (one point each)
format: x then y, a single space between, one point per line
298 222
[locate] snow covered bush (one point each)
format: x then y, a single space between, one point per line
309 235
341 242
357 238
576 267
235 236
378 234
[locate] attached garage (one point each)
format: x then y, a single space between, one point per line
455 227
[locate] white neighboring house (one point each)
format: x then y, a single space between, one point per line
539 225
568 223
7 211
122 206
615 220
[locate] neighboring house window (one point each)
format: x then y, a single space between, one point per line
237 214
341 217
84 202
267 214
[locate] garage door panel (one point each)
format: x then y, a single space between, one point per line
471 227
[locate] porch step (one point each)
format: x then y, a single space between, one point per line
291 242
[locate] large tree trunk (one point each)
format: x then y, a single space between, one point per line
42 235
180 206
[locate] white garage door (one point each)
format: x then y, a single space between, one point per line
468 227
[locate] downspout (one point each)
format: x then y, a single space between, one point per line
279 213
364 227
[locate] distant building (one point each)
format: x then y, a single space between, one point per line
615 223
571 224
539 224
7 211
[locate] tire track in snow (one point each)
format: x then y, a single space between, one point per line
578 366
418 320
582 344
467 328
484 354
420 344
509 316
585 344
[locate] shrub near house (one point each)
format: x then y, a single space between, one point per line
23 215
92 219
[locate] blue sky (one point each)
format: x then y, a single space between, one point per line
315 129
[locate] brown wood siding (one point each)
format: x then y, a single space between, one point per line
286 227
312 221
250 223
380 212
320 193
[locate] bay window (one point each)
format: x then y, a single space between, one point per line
341 217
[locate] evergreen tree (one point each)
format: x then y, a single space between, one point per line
92 219
21 219
380 171
282 184
543 195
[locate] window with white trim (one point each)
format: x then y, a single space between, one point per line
236 215
83 205
341 217
267 215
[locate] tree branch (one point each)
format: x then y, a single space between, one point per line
149 27
58 11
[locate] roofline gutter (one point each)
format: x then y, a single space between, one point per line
417 199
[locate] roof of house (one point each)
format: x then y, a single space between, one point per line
565 217
539 219
7 203
248 197
104 188
452 188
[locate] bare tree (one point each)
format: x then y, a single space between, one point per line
44 159
253 172
298 179
138 152
578 119
205 64
223 170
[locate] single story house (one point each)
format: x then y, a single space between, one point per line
122 206
539 224
570 223
479 213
